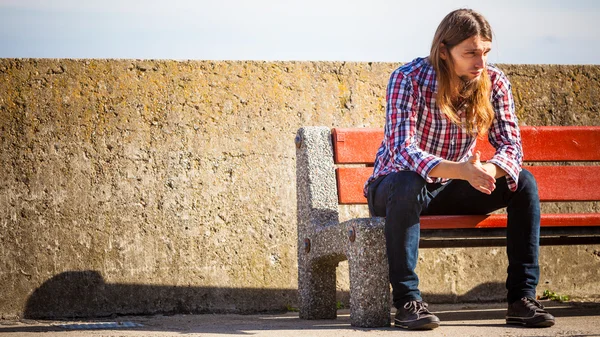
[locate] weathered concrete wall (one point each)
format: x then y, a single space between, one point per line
163 186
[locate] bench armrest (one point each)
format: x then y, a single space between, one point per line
315 180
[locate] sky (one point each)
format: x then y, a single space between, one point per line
525 31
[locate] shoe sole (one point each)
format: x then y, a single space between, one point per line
540 323
425 325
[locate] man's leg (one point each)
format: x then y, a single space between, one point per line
523 229
523 241
400 197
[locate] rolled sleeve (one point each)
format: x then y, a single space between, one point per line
504 133
400 129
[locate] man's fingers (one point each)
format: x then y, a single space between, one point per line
486 186
485 176
483 187
484 190
490 185
475 158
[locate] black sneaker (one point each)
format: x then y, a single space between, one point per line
415 316
528 312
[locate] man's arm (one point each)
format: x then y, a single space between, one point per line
494 170
471 170
399 131
504 134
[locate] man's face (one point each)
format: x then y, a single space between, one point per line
470 57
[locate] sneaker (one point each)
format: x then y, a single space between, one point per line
415 316
528 312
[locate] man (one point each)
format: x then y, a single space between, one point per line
437 107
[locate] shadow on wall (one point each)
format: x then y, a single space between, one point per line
86 294
484 292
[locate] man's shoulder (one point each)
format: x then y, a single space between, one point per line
418 71
500 83
496 74
414 67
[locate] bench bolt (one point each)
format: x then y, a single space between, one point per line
306 245
298 141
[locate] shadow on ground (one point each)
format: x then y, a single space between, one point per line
454 316
82 294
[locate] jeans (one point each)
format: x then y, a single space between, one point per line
403 196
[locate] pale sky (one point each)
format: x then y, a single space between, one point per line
526 31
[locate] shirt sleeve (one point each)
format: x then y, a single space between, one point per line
400 129
504 133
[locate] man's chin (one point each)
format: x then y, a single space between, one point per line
470 83
470 78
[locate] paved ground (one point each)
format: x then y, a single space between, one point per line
574 319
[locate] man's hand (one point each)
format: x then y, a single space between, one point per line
477 176
480 176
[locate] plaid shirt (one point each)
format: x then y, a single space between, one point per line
418 135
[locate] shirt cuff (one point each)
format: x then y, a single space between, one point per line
425 165
512 170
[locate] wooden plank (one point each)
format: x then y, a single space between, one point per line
567 183
540 143
561 143
555 183
350 184
499 221
356 145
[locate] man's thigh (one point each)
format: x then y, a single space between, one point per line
402 185
460 198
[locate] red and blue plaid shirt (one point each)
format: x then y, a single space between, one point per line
418 136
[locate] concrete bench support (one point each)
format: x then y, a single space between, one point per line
323 241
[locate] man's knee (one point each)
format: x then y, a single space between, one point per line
527 187
527 182
406 186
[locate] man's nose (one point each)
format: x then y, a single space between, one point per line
480 62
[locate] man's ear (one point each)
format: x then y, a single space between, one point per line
443 51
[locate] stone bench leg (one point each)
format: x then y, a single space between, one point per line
317 289
369 280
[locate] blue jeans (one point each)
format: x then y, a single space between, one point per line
403 196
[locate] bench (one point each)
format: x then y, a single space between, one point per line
333 165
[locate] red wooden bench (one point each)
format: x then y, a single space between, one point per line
556 183
331 169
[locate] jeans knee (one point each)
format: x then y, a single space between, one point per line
527 182
527 187
406 186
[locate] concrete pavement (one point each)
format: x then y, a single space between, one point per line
573 319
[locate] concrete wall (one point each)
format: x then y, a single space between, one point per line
130 186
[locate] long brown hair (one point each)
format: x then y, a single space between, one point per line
456 27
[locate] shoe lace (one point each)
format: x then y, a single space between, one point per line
532 303
416 307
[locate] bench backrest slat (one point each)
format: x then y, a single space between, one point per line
582 183
540 143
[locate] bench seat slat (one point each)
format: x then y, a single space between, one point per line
556 183
540 143
499 221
